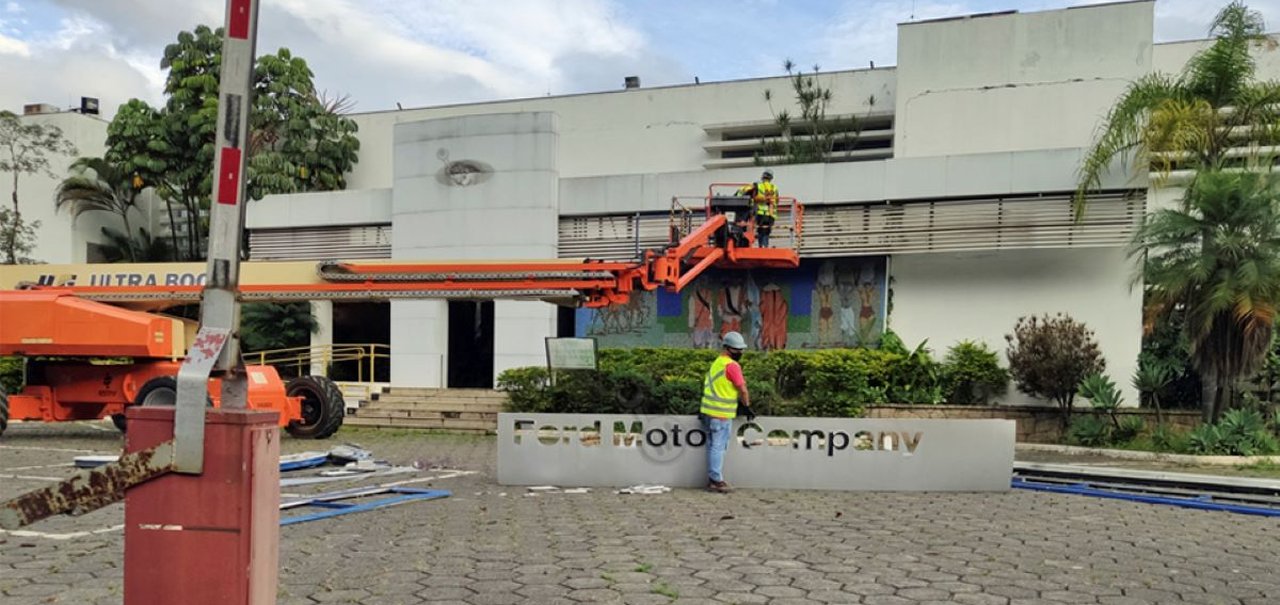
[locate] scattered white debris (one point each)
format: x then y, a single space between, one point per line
551 489
644 489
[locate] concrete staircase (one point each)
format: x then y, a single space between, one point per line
470 410
358 394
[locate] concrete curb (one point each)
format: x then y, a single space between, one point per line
1073 450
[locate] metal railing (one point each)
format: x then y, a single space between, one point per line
366 358
687 212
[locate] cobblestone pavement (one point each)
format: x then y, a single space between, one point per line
487 544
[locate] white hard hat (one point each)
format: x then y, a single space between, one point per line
734 340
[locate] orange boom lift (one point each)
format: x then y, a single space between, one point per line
93 350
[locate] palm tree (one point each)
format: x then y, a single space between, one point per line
1216 257
1204 118
145 249
97 185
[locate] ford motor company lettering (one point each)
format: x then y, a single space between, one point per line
806 453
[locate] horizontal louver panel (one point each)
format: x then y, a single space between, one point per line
894 228
968 225
616 237
317 243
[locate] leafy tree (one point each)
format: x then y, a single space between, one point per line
1196 117
25 149
811 136
17 237
298 141
266 326
97 185
1050 356
1216 258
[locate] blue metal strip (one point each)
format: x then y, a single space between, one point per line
404 494
1202 502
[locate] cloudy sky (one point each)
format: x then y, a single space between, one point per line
429 52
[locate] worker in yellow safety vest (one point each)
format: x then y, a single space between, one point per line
723 391
766 200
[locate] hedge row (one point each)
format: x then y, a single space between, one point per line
829 382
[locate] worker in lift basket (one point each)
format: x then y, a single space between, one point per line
724 391
764 205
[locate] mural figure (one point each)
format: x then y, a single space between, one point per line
821 304
733 305
867 314
848 316
701 322
755 319
773 311
825 295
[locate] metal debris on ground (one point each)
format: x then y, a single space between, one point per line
93 461
393 470
349 452
293 462
332 502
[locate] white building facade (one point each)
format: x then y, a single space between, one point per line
948 219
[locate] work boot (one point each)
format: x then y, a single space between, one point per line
719 486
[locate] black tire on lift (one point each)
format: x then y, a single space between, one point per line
322 407
4 411
159 391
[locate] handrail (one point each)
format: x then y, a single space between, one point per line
790 214
365 355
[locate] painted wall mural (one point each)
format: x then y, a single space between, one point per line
825 303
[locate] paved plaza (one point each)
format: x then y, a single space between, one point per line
489 544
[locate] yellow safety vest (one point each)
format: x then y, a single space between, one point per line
719 396
767 199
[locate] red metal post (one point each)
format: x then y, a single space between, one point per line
212 538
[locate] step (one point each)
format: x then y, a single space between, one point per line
443 399
429 414
423 423
428 392
435 406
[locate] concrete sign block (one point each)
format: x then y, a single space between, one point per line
854 454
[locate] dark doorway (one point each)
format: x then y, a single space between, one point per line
362 323
565 322
471 344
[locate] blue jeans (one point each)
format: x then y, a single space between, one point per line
718 431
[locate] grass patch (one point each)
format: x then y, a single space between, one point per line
666 590
644 567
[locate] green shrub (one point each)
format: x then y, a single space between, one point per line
10 374
1127 429
1239 433
527 389
1166 439
1090 431
971 374
833 382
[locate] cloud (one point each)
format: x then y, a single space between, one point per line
380 52
11 46
1190 19
866 31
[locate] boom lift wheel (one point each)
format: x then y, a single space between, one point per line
322 407
4 411
161 390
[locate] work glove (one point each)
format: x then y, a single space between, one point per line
748 413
